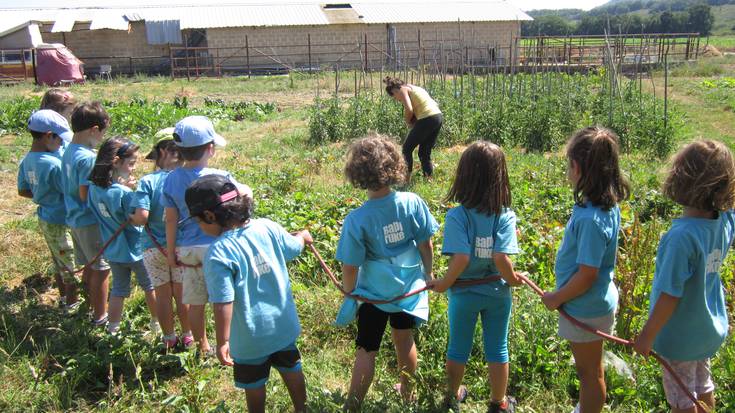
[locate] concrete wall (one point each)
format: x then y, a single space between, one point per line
114 47
346 43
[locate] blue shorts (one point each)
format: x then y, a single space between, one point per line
121 277
254 373
494 313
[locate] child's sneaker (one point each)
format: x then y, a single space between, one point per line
507 406
71 309
113 328
452 404
170 343
101 322
154 328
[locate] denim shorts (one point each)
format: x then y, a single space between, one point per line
121 277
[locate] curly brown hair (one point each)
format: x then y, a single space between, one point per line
702 176
481 181
374 162
595 150
392 84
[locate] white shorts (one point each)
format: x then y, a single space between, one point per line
697 377
195 289
158 269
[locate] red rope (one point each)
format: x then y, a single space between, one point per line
102 250
160 249
699 405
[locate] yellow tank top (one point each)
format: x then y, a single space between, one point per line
423 105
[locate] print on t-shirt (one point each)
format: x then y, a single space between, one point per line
714 262
484 247
261 266
393 233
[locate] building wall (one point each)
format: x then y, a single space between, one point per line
346 43
114 47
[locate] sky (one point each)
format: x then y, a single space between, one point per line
522 4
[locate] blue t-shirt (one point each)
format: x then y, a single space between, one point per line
248 266
688 265
591 239
77 164
148 197
479 235
174 189
381 238
40 173
111 207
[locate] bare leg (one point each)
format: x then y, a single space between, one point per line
407 361
255 399
164 308
150 302
116 308
181 309
498 376
362 376
98 291
588 359
455 372
296 386
198 327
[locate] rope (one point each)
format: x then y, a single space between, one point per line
117 232
699 405
162 250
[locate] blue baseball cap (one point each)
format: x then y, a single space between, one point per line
47 120
196 131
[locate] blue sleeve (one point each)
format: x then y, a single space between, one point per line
166 200
22 183
424 223
85 169
591 242
351 247
142 197
290 245
672 266
219 275
506 239
128 197
55 179
456 234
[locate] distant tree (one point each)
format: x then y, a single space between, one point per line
548 26
701 19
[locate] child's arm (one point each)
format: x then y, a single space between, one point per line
662 312
580 282
222 319
83 192
139 217
407 106
172 221
426 250
305 236
349 277
457 264
505 267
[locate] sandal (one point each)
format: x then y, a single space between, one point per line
452 403
506 406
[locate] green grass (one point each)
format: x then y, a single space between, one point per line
51 362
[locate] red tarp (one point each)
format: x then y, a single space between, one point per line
55 64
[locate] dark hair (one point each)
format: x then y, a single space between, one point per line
702 176
481 181
595 150
194 153
391 84
227 214
57 100
374 162
88 115
37 134
117 146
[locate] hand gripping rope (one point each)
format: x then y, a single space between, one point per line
699 405
116 234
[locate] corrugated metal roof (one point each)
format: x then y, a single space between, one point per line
427 12
264 13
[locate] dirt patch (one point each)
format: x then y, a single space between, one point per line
711 51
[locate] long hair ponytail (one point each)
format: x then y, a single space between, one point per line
102 171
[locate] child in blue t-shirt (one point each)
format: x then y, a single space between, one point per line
479 235
386 251
185 242
585 261
149 211
248 284
688 323
110 200
89 121
39 178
